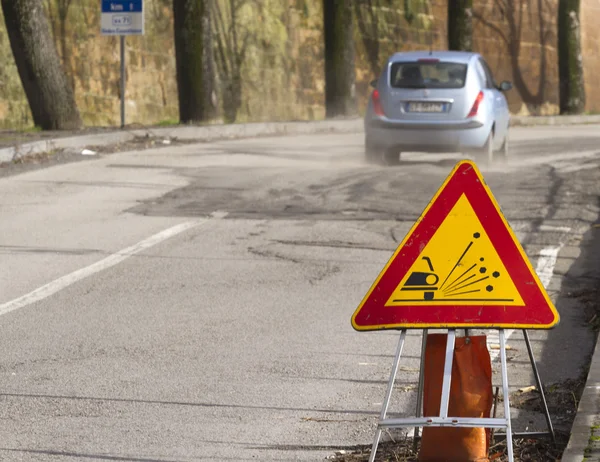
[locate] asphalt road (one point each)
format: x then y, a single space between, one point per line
193 303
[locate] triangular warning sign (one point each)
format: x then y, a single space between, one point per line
459 266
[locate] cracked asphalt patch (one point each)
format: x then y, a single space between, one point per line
360 193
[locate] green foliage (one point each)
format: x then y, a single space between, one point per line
14 110
251 40
385 25
275 71
168 122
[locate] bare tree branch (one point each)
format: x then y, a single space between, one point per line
244 47
63 8
230 53
493 27
220 33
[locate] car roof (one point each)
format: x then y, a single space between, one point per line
454 56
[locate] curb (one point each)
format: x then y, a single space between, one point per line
237 131
189 132
530 121
581 446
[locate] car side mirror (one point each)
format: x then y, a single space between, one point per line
373 83
505 86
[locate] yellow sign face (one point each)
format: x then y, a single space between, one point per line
459 265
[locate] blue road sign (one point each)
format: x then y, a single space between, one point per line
121 6
122 17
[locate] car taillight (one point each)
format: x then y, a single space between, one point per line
476 104
377 107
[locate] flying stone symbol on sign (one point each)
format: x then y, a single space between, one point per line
469 269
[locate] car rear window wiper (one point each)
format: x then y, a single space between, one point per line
413 86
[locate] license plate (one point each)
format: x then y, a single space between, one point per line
426 107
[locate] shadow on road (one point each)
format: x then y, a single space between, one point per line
570 345
81 456
184 403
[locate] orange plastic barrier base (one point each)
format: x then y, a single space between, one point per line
470 396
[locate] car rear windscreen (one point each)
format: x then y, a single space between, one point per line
428 74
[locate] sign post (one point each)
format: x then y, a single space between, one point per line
122 17
460 266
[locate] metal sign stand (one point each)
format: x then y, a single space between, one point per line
444 420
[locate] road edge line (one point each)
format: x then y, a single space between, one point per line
67 280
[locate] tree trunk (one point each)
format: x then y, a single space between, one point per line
194 60
460 25
229 55
340 91
48 92
570 62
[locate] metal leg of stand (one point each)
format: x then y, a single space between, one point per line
420 389
447 373
505 392
388 395
540 387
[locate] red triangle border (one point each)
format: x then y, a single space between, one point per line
537 312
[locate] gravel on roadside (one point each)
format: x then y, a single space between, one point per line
62 156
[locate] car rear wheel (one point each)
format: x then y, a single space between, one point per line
372 152
485 155
391 156
488 150
504 152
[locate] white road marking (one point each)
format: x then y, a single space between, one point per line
63 282
562 229
544 269
546 263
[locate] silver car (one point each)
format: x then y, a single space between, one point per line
439 101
